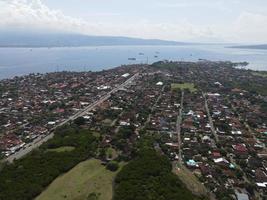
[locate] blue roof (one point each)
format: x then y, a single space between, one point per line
191 162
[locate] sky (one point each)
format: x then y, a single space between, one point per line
237 21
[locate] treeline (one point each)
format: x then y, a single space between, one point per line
253 86
149 177
28 177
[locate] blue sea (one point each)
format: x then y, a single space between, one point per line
21 61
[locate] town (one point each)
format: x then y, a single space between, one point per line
209 118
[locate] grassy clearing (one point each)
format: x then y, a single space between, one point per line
62 149
262 74
184 86
191 182
86 178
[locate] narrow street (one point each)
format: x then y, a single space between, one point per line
154 106
210 119
178 127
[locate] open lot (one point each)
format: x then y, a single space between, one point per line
184 86
86 178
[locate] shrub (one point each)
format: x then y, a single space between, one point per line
113 166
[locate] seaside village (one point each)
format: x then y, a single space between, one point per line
215 134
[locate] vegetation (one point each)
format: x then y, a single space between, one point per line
255 84
120 138
89 180
93 196
27 177
191 181
79 121
149 177
184 86
253 87
111 153
62 149
113 166
261 74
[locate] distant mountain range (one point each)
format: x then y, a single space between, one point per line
260 46
23 39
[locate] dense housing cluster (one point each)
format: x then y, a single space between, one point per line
32 106
203 116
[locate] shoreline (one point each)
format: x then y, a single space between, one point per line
25 60
113 67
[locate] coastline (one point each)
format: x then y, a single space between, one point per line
23 61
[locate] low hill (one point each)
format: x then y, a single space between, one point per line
260 46
39 39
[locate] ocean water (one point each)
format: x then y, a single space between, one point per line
21 61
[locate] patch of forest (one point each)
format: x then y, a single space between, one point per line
29 176
149 177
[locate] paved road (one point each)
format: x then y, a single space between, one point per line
178 127
154 106
29 147
101 100
40 140
210 119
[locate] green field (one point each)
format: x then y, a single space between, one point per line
184 86
262 74
86 178
62 149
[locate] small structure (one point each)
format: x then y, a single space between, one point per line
191 163
222 162
125 75
241 196
206 139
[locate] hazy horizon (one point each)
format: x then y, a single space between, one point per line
229 21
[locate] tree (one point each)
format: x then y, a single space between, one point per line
93 196
113 166
46 165
79 121
250 188
102 153
239 174
149 176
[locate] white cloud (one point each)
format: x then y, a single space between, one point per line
34 14
182 4
251 26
